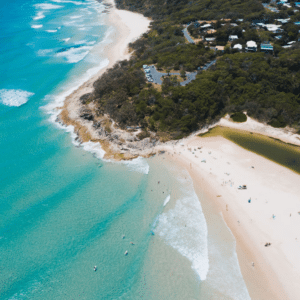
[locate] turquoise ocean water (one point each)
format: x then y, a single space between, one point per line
63 210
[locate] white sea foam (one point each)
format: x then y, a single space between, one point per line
68 1
94 148
47 6
51 30
45 52
66 40
76 17
71 23
138 165
184 228
74 55
167 200
36 26
14 97
40 15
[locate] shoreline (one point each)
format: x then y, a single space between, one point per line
276 269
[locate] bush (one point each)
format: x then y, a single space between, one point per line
239 117
144 134
277 123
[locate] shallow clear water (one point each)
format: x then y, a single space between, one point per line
63 210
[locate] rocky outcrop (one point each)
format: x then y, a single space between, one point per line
86 114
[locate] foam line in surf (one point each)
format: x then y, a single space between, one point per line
184 228
14 97
36 26
47 6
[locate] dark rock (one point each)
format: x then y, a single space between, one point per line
86 114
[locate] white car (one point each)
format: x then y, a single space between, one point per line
145 67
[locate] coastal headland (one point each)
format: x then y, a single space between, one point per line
264 217
117 144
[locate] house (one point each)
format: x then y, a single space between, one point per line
219 48
266 47
233 37
297 23
283 21
251 46
297 4
210 39
278 37
238 47
273 28
291 43
205 27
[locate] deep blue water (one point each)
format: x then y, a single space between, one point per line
62 210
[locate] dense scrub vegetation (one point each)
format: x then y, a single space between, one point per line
266 86
184 11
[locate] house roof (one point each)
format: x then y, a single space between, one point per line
205 26
283 21
266 47
238 46
272 27
251 44
221 48
233 37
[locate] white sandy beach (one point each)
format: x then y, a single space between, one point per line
273 190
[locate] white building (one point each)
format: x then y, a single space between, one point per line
233 37
238 47
251 46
